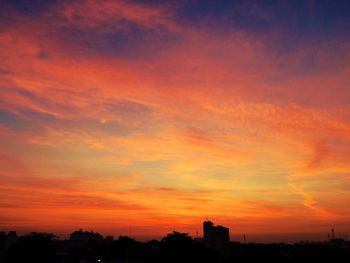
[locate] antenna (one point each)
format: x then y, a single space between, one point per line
245 241
333 235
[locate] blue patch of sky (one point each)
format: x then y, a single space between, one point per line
296 21
5 71
13 121
322 17
133 42
36 115
29 7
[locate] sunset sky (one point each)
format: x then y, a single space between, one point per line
143 117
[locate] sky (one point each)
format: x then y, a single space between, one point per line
142 117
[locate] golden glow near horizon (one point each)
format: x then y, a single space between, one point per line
186 122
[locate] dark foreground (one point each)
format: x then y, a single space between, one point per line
175 247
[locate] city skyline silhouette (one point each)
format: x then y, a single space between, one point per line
214 246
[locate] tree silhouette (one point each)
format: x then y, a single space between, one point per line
176 247
35 247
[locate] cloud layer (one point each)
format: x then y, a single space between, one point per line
124 113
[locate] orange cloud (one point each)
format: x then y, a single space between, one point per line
109 15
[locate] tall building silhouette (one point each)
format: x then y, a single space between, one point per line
215 236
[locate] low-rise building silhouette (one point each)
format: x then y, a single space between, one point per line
215 236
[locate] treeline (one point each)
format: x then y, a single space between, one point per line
175 247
